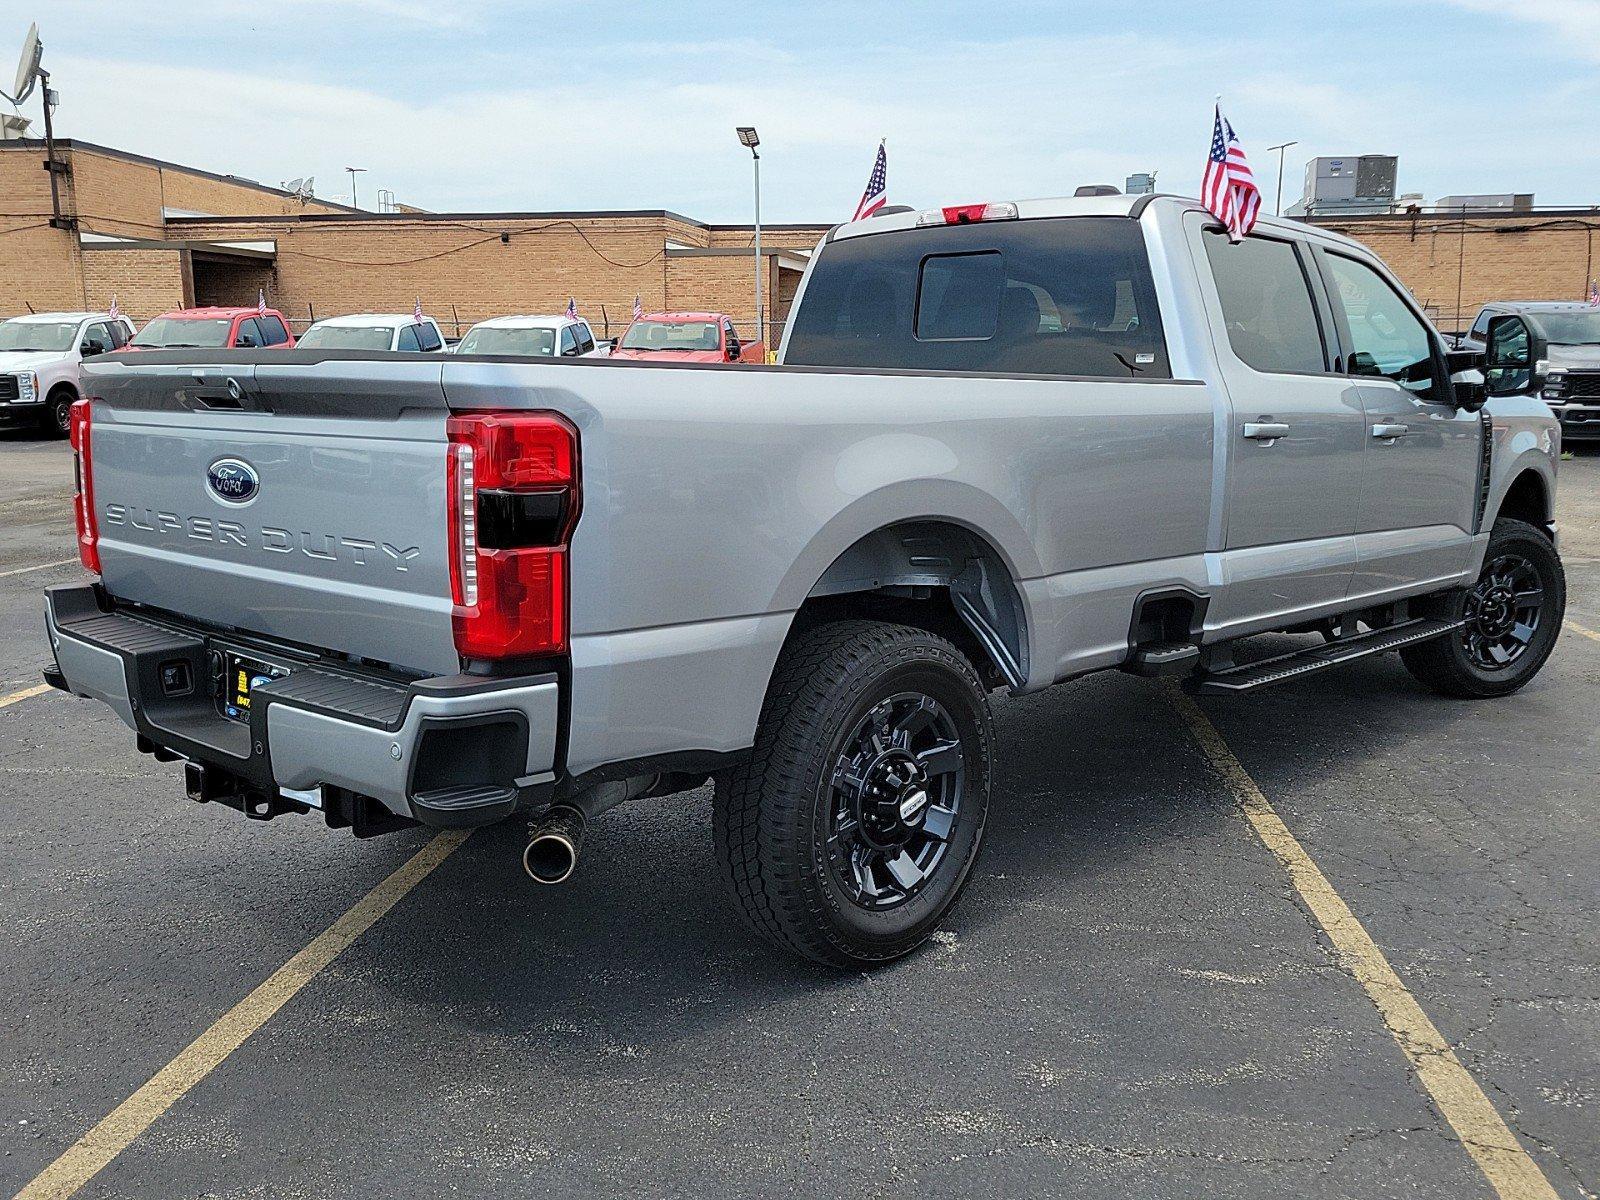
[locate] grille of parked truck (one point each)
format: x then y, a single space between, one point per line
1005 445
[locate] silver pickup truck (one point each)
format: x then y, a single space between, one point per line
1005 445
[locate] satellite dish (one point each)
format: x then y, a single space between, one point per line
27 66
310 186
293 185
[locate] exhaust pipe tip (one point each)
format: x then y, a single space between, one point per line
551 855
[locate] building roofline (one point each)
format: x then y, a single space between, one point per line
450 218
164 164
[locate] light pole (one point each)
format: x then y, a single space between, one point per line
354 171
1278 211
748 138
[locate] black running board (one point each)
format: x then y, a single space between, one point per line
1284 667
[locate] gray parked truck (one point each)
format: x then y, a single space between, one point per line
1005 445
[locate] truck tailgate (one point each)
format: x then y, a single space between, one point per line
303 501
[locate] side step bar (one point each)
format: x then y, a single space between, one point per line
1283 667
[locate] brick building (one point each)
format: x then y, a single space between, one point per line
158 235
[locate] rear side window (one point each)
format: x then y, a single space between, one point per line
249 333
1061 296
428 338
272 329
1266 304
407 340
585 338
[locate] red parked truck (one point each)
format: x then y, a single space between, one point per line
688 337
215 328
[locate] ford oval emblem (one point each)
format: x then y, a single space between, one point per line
233 481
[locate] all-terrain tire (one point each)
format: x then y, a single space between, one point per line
778 838
1448 664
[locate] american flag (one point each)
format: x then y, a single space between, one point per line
572 307
114 312
1228 189
638 307
261 302
1594 294
877 187
416 311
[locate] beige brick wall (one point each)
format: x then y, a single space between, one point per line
1493 257
144 282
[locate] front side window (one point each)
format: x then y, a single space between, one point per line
1056 296
1266 304
1387 339
1480 327
1508 358
569 343
99 332
169 333
273 332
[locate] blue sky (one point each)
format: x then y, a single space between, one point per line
499 104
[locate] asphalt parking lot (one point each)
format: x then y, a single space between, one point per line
1134 999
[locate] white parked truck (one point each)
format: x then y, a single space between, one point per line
39 357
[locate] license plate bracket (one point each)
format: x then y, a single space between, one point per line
241 675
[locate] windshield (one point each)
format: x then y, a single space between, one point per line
348 337
1569 328
671 335
37 335
167 332
525 343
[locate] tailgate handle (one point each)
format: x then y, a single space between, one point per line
218 391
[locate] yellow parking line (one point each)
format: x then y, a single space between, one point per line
1588 633
1505 1164
37 689
117 1130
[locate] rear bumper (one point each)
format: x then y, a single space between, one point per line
450 751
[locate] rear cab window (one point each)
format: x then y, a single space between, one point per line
1050 296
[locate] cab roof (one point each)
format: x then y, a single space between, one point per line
366 320
528 321
62 316
212 313
684 316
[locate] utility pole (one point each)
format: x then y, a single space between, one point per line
354 171
749 139
1278 211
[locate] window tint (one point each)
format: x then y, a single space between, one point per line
120 332
272 329
585 338
1063 296
569 343
428 338
1386 337
1266 304
249 333
1481 325
98 331
407 340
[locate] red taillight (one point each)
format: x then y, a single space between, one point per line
513 482
83 492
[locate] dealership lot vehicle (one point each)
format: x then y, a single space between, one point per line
531 336
700 337
402 332
1011 445
1552 352
214 328
39 357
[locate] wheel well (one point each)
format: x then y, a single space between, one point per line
55 393
937 576
1527 500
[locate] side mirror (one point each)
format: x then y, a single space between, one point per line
1362 363
1512 353
733 350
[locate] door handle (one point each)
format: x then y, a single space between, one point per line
1265 431
1388 432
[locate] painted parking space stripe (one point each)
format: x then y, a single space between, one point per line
1509 1168
60 562
37 689
1579 629
86 1157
